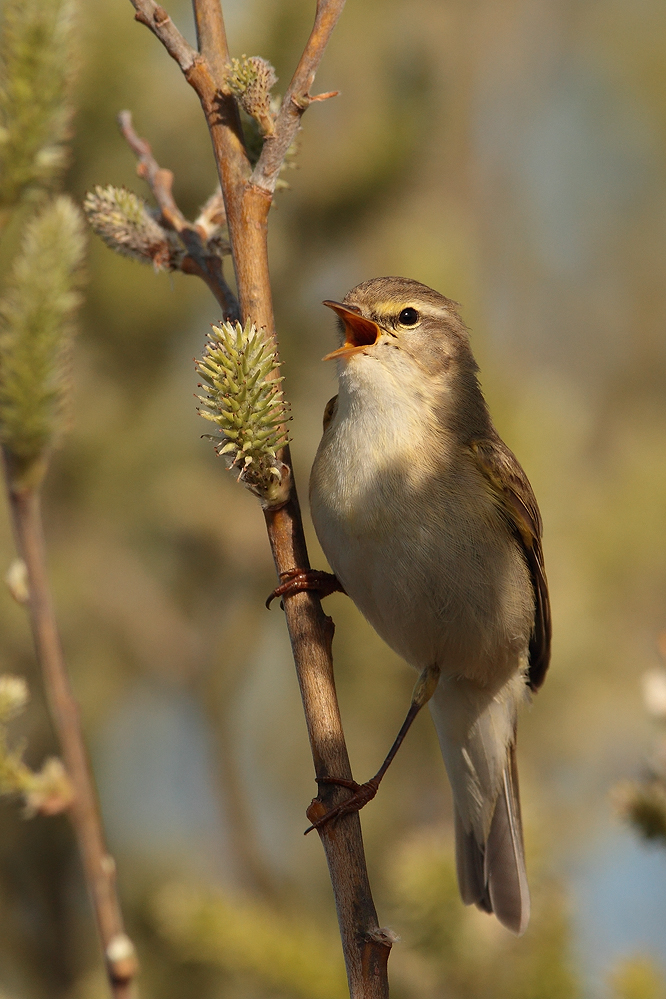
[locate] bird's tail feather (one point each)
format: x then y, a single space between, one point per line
477 737
492 875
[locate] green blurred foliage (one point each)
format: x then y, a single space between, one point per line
446 952
36 326
638 978
250 939
35 82
446 158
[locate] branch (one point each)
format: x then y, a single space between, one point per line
200 71
156 18
99 867
212 38
158 179
297 99
198 261
247 202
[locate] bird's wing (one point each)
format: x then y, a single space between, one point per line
515 498
329 411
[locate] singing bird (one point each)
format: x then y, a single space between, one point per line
431 527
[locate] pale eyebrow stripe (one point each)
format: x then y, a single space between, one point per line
391 310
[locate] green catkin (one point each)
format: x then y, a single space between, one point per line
244 400
251 81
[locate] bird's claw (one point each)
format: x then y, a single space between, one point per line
363 793
296 580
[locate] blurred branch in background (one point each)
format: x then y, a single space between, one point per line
445 950
37 310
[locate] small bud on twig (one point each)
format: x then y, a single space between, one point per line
245 401
49 791
212 216
16 579
13 696
121 957
653 682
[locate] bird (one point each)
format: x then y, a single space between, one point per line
431 527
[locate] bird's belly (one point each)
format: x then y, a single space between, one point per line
399 609
417 542
434 586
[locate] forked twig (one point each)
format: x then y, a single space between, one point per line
297 98
198 261
247 197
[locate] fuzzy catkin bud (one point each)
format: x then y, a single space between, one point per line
123 221
244 399
36 328
250 81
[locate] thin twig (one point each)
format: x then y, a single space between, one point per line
212 38
297 98
198 261
156 18
247 202
158 179
99 867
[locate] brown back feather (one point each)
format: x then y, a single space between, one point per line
518 503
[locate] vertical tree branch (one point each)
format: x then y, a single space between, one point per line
212 38
247 202
99 866
298 98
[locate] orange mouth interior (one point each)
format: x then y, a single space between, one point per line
359 331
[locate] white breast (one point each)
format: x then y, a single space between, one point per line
411 533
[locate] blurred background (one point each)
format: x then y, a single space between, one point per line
513 157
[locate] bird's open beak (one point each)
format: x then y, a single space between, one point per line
359 331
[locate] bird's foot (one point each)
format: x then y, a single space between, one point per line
363 793
296 580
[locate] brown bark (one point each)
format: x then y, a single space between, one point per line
247 198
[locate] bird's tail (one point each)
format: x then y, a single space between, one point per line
477 735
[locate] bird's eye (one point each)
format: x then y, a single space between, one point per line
408 317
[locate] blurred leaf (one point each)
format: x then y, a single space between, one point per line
638 978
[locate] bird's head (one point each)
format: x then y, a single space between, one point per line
391 314
418 339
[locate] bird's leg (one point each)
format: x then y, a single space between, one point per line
295 580
363 793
